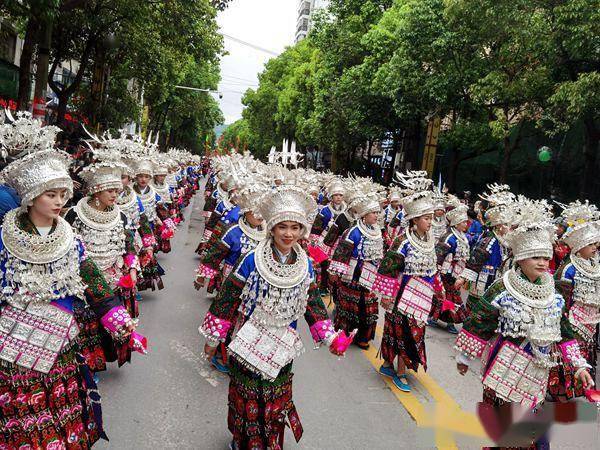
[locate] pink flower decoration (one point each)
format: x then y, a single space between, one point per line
126 282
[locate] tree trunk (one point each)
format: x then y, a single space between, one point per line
41 76
590 153
97 84
61 110
453 170
506 154
25 65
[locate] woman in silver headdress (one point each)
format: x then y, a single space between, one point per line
406 282
102 228
520 323
48 398
165 232
272 287
578 279
223 252
152 272
453 252
353 268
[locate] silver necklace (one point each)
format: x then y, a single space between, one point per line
94 218
586 267
462 247
127 198
256 234
33 248
280 275
534 295
424 246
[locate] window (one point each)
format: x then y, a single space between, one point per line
8 44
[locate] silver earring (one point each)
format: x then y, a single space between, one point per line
96 201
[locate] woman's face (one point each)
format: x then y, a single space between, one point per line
533 268
125 180
254 220
463 226
160 179
371 218
439 212
423 223
501 230
337 199
49 204
588 251
142 180
108 197
286 234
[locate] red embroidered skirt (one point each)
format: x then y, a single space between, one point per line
356 308
45 412
460 311
90 339
561 381
259 410
404 337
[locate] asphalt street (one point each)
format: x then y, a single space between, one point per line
173 399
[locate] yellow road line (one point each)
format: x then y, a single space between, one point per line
448 417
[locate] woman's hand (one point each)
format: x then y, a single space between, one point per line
199 282
462 368
133 275
585 378
387 303
458 284
335 352
209 351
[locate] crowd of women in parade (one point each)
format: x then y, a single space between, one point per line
521 279
72 271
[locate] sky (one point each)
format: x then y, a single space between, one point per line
268 24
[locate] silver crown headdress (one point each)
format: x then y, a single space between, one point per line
501 201
582 220
335 186
363 196
287 203
457 211
419 197
103 175
439 198
534 234
249 194
39 167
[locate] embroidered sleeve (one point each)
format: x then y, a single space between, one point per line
387 282
340 261
225 305
209 204
564 278
442 250
331 238
571 353
216 251
396 220
161 211
481 324
318 225
130 258
213 221
145 231
98 293
316 313
479 256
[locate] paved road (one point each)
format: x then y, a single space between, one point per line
171 398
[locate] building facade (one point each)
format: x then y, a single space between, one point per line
306 10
